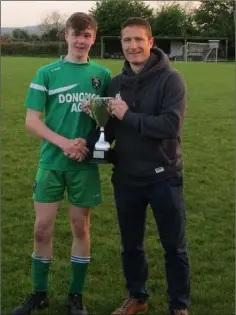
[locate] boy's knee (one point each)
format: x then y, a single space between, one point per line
42 232
80 228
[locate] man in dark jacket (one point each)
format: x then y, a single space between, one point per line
147 116
148 112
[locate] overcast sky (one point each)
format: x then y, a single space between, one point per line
27 13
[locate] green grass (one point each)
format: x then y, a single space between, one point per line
208 150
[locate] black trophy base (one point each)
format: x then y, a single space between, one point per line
99 157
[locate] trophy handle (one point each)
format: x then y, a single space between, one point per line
102 145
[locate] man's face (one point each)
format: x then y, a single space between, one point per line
80 44
136 44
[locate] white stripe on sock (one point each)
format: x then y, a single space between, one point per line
80 260
43 260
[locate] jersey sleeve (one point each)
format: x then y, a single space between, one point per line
37 93
107 80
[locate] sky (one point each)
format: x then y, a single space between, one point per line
27 13
30 13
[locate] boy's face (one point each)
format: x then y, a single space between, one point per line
80 44
136 44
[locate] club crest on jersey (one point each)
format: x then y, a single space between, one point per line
96 82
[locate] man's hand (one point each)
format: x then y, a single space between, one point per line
117 108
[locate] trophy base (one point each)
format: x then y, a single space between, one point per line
99 157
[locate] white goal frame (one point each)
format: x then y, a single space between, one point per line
206 51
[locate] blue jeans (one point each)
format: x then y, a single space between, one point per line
166 201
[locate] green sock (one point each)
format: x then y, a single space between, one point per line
79 267
40 270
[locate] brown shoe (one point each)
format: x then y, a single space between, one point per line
183 311
131 306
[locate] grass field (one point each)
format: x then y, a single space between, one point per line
208 150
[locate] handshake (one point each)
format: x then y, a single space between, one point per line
75 149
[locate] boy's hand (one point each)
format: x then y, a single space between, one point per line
80 152
86 108
74 148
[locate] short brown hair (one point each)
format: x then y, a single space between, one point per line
79 21
138 21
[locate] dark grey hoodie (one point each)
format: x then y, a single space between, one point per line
147 140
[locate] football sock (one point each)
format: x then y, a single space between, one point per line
40 270
79 267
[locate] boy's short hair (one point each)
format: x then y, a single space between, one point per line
79 21
138 21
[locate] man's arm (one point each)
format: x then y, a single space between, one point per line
109 130
37 127
167 123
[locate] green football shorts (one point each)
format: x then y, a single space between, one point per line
83 187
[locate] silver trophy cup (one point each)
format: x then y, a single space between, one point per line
98 107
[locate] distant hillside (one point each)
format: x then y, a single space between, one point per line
31 29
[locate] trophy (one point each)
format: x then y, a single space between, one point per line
98 107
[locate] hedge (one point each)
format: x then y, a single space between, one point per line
42 49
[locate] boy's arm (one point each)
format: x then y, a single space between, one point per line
35 103
37 127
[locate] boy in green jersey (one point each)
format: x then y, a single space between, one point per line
58 90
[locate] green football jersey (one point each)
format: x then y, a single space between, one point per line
58 90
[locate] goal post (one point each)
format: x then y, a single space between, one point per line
195 48
214 45
196 51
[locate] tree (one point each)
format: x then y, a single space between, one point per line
111 14
34 37
20 34
161 4
52 25
187 6
216 18
52 35
170 21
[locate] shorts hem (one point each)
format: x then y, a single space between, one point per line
85 205
85 167
47 201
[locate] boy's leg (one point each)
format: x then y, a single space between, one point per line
48 190
83 192
80 251
42 255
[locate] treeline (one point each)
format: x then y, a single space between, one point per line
206 18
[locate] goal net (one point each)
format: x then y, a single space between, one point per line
199 52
